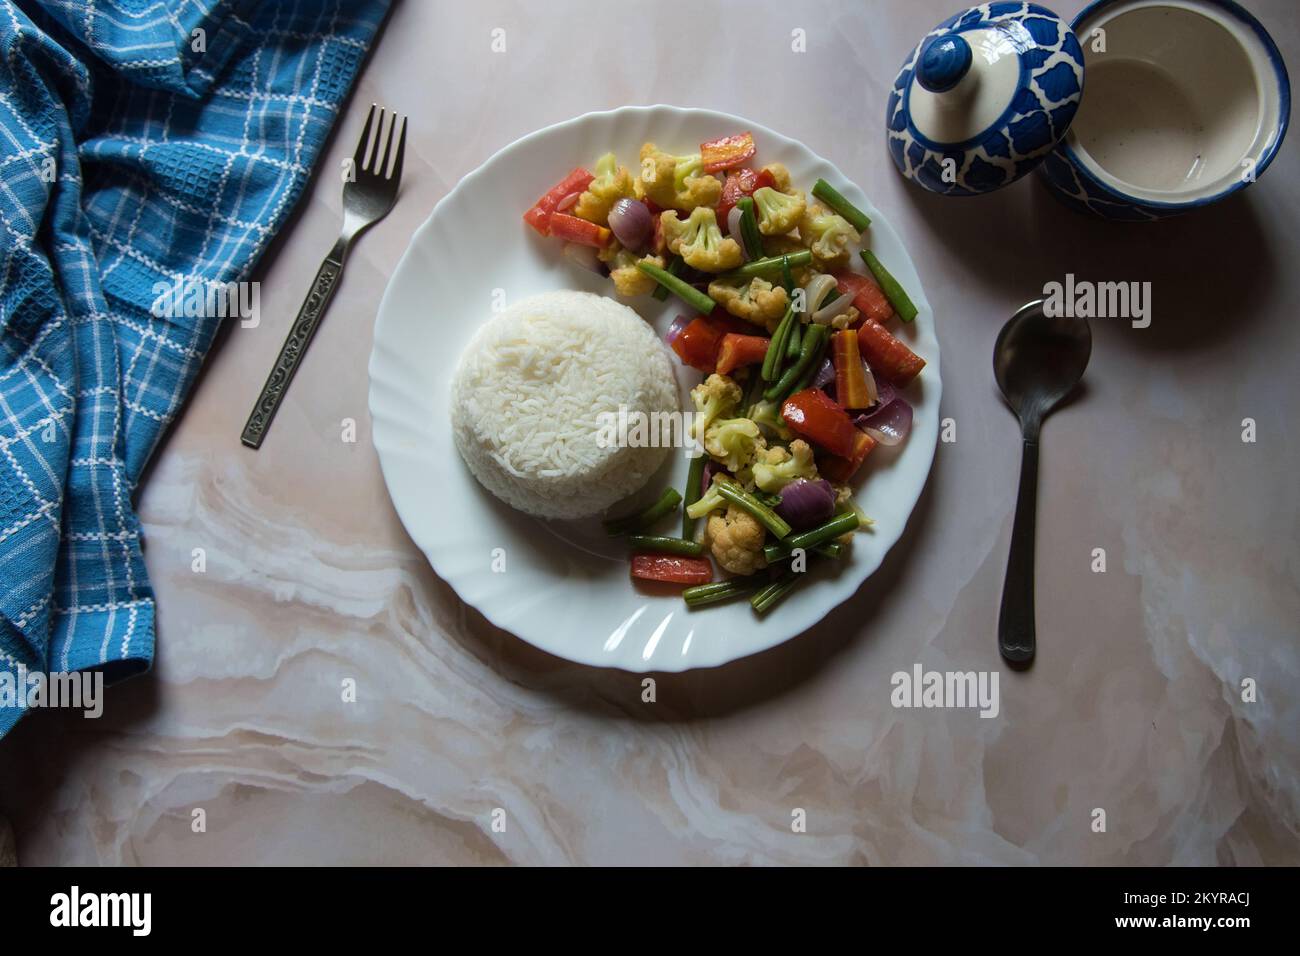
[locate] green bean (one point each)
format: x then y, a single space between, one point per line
831 549
694 478
752 241
795 340
665 545
771 265
812 343
686 292
718 591
674 269
776 347
787 276
774 593
840 524
813 367
764 515
894 292
666 504
828 194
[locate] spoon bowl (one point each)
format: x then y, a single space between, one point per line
1038 360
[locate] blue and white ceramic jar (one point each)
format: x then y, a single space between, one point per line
1188 102
984 98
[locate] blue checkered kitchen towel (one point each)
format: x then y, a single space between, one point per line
141 141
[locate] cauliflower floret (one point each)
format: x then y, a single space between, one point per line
843 494
711 500
828 236
780 176
612 183
736 541
716 397
734 442
754 300
767 415
675 182
845 320
779 467
628 279
699 241
777 212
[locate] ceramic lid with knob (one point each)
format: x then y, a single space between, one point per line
984 97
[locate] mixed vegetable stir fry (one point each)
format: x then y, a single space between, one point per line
803 375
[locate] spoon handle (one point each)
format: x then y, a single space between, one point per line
1016 639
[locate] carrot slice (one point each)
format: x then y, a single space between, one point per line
887 355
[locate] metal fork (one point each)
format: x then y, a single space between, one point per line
368 195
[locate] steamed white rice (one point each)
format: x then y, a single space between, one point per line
527 398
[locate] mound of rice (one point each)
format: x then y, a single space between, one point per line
528 393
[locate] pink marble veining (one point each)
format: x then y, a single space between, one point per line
1135 705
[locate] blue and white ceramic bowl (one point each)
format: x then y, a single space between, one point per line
1187 102
984 97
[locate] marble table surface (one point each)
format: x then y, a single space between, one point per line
1135 705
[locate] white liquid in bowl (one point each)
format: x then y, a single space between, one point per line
1173 105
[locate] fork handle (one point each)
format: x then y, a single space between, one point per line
1016 634
295 346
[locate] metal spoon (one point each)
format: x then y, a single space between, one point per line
1037 360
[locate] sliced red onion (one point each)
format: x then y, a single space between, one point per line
711 468
733 229
567 202
826 313
805 504
889 424
585 256
825 376
675 329
631 223
818 287
873 392
885 393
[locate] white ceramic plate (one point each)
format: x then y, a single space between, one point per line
565 586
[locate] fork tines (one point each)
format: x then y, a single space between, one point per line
374 155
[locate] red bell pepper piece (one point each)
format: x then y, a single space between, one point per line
674 570
728 152
658 244
868 298
850 380
729 323
887 355
698 344
741 182
741 350
573 229
539 217
835 468
812 415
